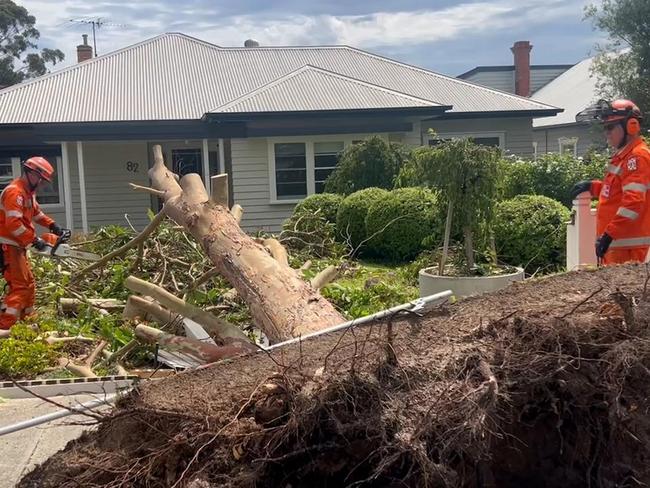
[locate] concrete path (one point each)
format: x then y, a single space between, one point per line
21 451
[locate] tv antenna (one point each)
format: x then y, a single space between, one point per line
96 24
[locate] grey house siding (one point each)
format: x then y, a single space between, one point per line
547 138
517 132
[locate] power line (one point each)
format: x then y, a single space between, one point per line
96 24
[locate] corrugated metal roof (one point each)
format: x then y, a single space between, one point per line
574 90
174 76
311 88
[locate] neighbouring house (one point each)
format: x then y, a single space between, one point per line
273 118
569 86
574 90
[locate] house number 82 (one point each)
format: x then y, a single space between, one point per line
132 167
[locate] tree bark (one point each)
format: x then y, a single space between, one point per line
469 247
282 304
445 245
202 351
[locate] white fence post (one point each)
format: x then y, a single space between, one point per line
581 234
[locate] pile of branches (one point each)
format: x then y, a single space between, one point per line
540 398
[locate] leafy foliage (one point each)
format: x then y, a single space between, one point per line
466 174
312 226
530 231
399 222
23 355
623 64
371 163
351 216
18 59
551 175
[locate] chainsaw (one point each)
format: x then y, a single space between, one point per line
61 249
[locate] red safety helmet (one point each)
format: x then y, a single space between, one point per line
618 111
41 166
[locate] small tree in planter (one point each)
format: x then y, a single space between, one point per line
466 175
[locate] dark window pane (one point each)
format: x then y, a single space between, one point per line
290 156
322 174
487 141
325 160
291 176
290 191
320 186
437 141
290 149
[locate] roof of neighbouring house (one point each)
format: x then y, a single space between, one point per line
177 77
574 90
533 67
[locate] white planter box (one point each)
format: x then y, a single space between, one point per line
463 286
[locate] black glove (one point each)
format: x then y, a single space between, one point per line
602 244
39 244
55 229
580 187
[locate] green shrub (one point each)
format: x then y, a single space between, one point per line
326 204
400 221
371 163
551 175
351 216
530 231
24 356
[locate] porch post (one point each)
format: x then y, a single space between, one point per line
67 188
222 166
82 187
206 165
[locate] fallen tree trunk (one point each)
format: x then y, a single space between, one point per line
147 310
282 304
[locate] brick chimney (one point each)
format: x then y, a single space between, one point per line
84 51
521 51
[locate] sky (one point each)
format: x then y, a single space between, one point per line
444 36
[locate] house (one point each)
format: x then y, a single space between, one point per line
574 90
273 118
569 86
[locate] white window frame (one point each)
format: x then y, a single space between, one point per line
309 156
468 135
568 141
16 170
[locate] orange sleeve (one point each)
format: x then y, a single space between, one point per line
13 206
635 181
40 217
596 186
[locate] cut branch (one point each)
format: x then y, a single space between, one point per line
202 351
141 237
147 189
325 277
223 330
219 194
72 305
237 212
277 250
143 309
77 369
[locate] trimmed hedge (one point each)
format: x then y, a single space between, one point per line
530 231
401 221
326 204
351 216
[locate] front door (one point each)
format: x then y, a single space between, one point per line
187 160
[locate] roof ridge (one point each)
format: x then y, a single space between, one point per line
103 57
449 78
310 67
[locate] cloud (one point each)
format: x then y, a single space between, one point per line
382 31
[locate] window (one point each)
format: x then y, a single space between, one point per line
326 156
492 139
568 145
290 170
299 166
50 194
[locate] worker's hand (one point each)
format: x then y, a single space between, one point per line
55 229
39 244
580 187
602 244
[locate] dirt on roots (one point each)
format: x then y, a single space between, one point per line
544 384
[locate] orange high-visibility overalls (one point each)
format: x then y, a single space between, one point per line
18 211
623 208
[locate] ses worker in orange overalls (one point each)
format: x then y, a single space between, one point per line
18 211
623 218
